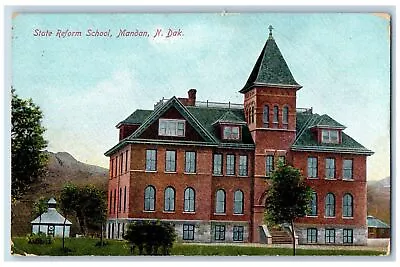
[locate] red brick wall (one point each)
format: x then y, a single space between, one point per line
203 182
357 187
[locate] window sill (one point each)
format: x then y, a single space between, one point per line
190 173
170 172
237 241
328 217
223 214
218 175
332 179
348 218
312 178
243 176
149 211
188 212
238 214
230 175
348 180
311 216
164 211
150 171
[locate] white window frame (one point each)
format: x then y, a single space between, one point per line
230 164
329 168
326 136
170 127
347 169
238 202
189 203
312 167
220 201
217 166
243 165
238 232
311 234
190 161
228 133
348 206
188 232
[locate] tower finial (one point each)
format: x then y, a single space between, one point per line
270 28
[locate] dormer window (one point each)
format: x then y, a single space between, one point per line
171 127
330 136
231 133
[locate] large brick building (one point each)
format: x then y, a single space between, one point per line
204 166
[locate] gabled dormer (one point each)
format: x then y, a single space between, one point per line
229 127
327 131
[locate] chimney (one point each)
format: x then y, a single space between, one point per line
191 101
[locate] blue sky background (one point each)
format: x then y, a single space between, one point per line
86 85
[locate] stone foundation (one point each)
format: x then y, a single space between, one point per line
204 232
360 235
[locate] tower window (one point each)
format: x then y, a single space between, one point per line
285 115
276 114
266 116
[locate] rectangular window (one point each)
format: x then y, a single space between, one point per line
151 159
170 161
110 206
217 166
243 165
329 236
120 200
230 164
330 168
312 167
311 235
330 136
188 232
348 236
220 232
112 168
115 199
269 165
190 162
121 164
125 199
348 169
238 233
169 127
266 116
231 133
126 161
118 228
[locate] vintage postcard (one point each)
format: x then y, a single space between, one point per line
200 134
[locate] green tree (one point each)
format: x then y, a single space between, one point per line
288 198
28 159
87 203
39 207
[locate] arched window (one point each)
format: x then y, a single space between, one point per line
266 116
220 201
169 199
347 205
189 197
276 114
252 114
330 205
238 202
313 211
110 206
149 198
285 115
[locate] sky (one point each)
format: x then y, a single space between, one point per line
86 85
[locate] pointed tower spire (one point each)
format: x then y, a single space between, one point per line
271 68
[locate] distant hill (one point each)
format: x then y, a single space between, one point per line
378 196
61 168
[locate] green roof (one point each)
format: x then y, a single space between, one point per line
137 117
373 222
230 117
305 139
328 122
270 69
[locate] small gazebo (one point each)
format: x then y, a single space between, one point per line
51 222
377 228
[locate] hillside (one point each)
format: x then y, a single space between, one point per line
61 168
378 195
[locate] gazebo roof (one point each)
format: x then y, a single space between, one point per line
51 216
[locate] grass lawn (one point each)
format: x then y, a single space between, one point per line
87 247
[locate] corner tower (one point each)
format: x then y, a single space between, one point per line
270 99
270 111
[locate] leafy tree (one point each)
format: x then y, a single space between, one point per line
288 197
39 207
28 159
87 203
152 237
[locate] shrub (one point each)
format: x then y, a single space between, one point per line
39 238
151 238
